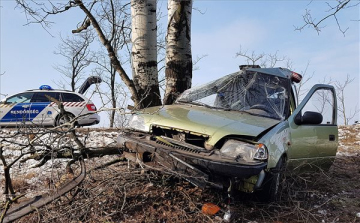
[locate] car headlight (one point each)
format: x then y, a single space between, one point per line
137 122
241 150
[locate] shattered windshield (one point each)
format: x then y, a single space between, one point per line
252 92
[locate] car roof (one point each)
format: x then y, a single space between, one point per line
279 71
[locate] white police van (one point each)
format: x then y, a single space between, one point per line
33 107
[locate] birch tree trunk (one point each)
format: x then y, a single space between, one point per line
178 70
144 52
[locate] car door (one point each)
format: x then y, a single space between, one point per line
40 104
314 131
16 109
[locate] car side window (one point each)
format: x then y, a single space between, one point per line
68 97
20 98
41 96
322 101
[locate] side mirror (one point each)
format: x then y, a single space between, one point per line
309 117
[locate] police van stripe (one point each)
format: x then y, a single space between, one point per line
6 106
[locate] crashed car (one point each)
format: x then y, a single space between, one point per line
240 131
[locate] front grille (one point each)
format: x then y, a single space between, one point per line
178 147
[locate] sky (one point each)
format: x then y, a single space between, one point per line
219 30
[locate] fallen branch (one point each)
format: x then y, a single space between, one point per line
27 207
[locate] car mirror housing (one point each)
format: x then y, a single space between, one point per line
309 117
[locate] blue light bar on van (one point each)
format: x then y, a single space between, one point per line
45 87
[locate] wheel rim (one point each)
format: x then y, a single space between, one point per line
62 119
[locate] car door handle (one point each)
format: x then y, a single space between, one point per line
26 106
332 137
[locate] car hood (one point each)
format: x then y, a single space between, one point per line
212 123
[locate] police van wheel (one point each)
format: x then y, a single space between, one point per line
61 118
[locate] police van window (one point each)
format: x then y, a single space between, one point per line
19 98
41 96
68 97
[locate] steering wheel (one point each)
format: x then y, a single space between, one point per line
261 107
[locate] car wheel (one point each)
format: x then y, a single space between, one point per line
61 118
274 183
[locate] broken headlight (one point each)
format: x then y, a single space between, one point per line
241 150
137 122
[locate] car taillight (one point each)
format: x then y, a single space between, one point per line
91 107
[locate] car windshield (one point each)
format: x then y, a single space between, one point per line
19 98
252 92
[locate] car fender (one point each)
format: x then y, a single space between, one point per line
277 141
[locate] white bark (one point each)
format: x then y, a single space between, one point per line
178 69
144 51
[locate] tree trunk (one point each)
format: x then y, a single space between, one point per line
144 52
178 70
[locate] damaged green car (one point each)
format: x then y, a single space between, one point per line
239 131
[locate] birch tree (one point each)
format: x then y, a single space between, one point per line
144 52
178 68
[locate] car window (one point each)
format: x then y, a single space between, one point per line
41 96
20 98
68 97
322 101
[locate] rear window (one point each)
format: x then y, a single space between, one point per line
41 96
68 97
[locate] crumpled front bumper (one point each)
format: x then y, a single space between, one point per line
195 164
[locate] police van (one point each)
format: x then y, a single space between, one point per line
34 107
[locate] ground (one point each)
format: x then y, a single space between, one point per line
125 192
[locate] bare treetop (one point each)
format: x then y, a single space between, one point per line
332 11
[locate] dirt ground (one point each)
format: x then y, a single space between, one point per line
125 192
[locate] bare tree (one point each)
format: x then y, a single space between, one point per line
299 88
340 89
251 59
178 70
38 12
262 59
77 54
333 11
120 36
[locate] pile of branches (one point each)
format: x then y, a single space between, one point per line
125 192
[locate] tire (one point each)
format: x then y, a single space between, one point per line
274 183
61 118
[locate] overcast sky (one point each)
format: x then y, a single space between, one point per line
219 28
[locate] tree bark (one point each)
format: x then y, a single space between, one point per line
178 70
144 52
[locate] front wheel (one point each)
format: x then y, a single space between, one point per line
274 183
